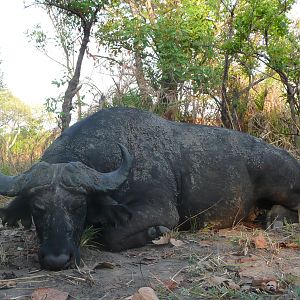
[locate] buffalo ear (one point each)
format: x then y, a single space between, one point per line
107 212
17 209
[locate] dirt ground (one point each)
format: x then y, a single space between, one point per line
239 263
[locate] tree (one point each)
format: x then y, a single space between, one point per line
265 32
70 16
22 134
171 43
1 77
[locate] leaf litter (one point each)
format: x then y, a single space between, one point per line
182 269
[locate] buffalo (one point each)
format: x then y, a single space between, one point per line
135 175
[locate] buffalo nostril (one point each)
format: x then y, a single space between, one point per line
56 262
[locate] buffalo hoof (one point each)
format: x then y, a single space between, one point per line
279 215
157 231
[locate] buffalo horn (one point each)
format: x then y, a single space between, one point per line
89 179
76 174
112 180
8 185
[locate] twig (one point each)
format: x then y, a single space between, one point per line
22 278
199 213
75 278
176 274
104 296
130 281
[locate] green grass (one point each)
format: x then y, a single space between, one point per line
89 237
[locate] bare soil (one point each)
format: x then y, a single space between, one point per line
239 263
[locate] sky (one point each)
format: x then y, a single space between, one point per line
27 72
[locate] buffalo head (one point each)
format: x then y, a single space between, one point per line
56 196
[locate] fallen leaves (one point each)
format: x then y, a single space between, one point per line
260 241
144 293
163 240
49 293
291 245
176 243
270 285
167 239
170 284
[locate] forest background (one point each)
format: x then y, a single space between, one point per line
227 63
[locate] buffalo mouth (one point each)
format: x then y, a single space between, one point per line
57 262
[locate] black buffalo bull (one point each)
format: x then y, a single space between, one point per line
170 173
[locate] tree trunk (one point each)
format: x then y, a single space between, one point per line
139 68
79 106
141 80
291 92
72 88
167 101
226 116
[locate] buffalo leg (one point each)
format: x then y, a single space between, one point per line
144 226
279 214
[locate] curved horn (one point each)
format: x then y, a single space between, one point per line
78 175
13 185
112 180
8 185
93 180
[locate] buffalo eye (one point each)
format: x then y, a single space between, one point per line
75 206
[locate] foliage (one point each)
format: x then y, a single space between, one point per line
13 112
175 43
23 136
73 22
129 99
265 32
189 60
190 48
1 77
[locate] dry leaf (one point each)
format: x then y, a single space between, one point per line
49 294
163 240
289 245
147 293
136 296
260 242
176 243
144 293
170 284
